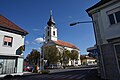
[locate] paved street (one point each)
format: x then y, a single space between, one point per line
66 74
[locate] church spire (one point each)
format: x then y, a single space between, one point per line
51 12
51 21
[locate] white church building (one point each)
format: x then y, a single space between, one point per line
51 38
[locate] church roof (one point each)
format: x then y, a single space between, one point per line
65 44
51 20
9 26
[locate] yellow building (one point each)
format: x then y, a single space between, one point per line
89 61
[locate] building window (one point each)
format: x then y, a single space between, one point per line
7 41
114 17
111 18
117 15
54 33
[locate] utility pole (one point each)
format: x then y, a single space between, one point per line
42 55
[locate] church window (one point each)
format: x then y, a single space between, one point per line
48 39
48 27
48 33
54 33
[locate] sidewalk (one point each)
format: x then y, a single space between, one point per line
29 73
25 74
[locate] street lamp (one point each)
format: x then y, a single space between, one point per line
94 22
95 33
75 23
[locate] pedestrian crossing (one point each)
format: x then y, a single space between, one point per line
63 77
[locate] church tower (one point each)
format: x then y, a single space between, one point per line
51 30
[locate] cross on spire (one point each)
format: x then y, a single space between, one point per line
51 12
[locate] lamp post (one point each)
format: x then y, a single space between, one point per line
63 57
98 46
42 54
94 22
75 23
42 59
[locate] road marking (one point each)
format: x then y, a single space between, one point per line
73 76
66 76
80 77
59 76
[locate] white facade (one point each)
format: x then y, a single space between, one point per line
51 33
11 48
106 19
17 41
107 31
51 30
71 62
88 61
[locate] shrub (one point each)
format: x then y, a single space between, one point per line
45 71
35 69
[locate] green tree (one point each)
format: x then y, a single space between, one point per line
34 57
51 54
74 55
82 57
66 56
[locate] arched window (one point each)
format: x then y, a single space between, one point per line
48 33
48 40
54 33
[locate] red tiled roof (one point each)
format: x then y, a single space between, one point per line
7 24
66 44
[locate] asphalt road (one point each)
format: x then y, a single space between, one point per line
60 74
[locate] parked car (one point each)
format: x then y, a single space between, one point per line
28 69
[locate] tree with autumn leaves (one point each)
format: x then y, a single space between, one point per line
33 59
